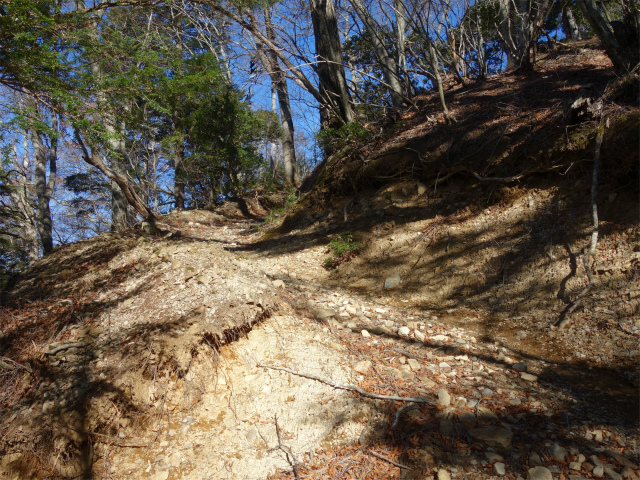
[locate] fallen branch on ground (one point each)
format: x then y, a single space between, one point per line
64 346
352 388
381 457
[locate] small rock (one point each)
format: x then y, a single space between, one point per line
174 460
163 475
629 474
618 457
558 453
403 331
461 402
323 313
428 382
440 338
519 367
414 364
611 473
443 474
444 366
534 459
278 283
595 460
492 436
419 336
493 457
422 188
499 468
365 333
575 466
528 377
444 398
405 375
472 403
486 414
393 281
598 471
362 367
539 473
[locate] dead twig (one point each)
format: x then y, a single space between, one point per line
352 388
287 451
381 457
564 318
7 366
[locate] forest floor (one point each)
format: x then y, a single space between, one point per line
136 356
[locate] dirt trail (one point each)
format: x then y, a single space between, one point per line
159 399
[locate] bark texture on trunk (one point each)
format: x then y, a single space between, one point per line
569 24
604 33
44 184
436 71
178 179
335 105
20 197
286 117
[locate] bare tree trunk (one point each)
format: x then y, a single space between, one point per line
273 147
44 186
569 24
335 105
178 174
401 42
604 33
386 61
436 71
20 197
286 118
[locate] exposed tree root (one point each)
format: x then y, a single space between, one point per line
564 318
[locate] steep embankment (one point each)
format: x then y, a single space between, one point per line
133 356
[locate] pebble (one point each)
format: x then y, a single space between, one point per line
598 471
323 313
443 474
365 333
559 454
519 367
414 364
404 331
539 473
362 367
528 377
444 398
499 468
575 466
419 336
493 436
393 281
493 457
611 473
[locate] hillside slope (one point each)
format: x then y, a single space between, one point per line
137 356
